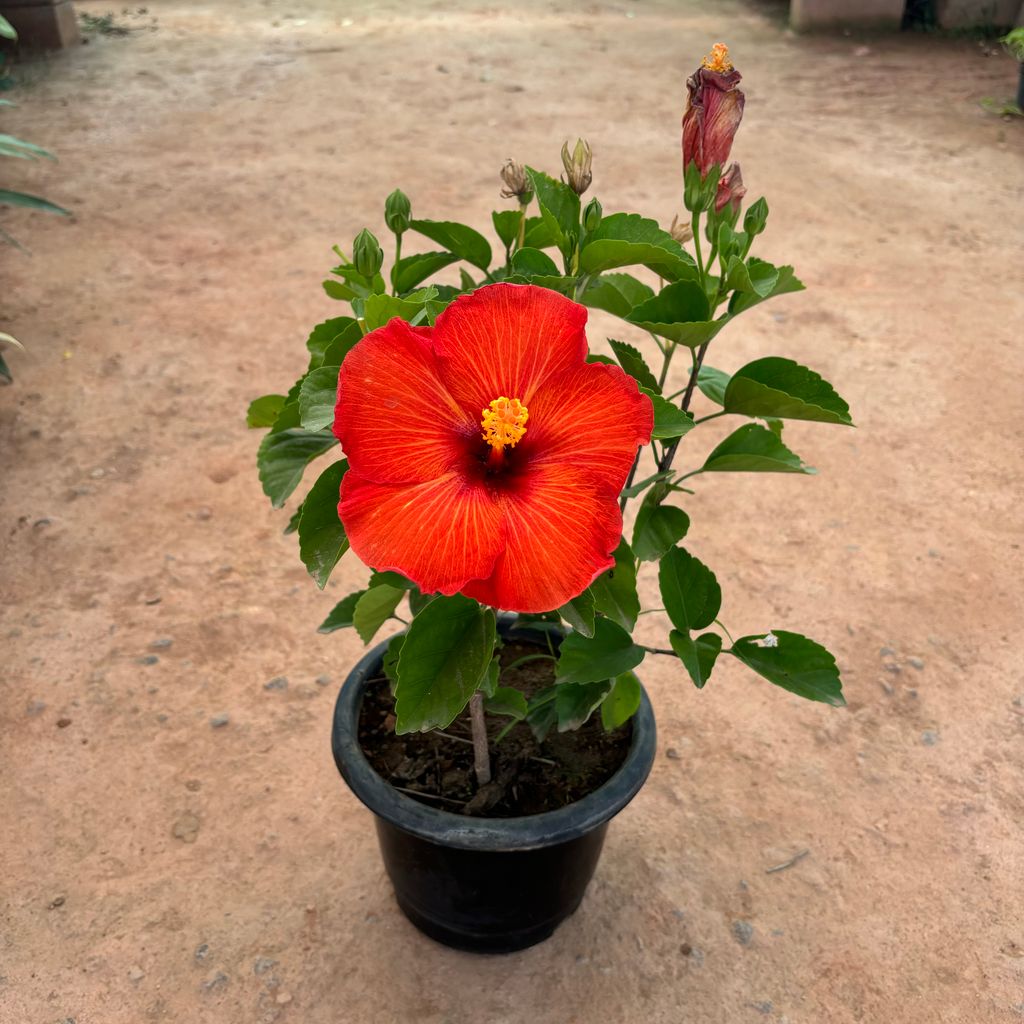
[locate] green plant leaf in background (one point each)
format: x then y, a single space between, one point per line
447 651
465 242
617 294
10 198
614 590
506 225
559 206
783 388
263 411
318 397
283 457
698 656
785 281
713 383
506 700
632 361
669 419
753 449
374 608
658 527
679 312
793 662
622 703
322 539
579 613
609 652
411 270
627 239
325 334
341 613
689 591
576 702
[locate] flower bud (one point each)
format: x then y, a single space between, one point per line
397 212
713 112
577 166
367 255
592 215
682 233
517 184
730 190
756 217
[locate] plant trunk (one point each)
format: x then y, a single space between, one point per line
481 755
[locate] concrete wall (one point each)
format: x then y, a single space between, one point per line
42 24
807 15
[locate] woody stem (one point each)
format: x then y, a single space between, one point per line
481 754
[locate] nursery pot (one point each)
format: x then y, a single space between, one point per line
486 885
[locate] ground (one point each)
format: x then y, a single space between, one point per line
158 867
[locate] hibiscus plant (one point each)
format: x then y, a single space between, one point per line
489 457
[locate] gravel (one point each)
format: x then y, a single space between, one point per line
743 931
277 683
219 721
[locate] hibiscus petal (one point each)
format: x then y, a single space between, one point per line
394 418
560 530
505 340
592 418
440 533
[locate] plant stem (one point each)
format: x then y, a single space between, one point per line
695 224
481 755
661 650
669 453
522 224
398 260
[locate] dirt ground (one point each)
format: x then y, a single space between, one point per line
155 868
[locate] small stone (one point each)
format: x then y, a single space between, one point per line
136 973
219 721
152 599
147 659
45 521
915 663
193 785
57 901
673 755
262 964
162 717
203 513
35 708
743 931
283 998
891 666
686 949
186 828
442 69
929 737
162 644
202 952
886 652
215 981
63 723
764 1007
323 680
97 473
277 683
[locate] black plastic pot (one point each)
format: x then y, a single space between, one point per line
486 885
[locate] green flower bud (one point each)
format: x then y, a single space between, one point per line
367 255
592 215
397 211
756 218
577 166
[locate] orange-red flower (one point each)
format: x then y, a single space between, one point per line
485 454
713 113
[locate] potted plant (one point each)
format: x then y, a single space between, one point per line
489 458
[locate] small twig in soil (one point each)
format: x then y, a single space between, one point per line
481 755
787 863
428 796
449 736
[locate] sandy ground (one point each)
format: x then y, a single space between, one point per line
155 868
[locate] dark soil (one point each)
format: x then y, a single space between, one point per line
436 768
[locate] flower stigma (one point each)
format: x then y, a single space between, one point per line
717 59
504 422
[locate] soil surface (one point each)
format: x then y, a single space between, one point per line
177 843
530 775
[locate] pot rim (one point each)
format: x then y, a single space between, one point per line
486 834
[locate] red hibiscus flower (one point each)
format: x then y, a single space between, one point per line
485 454
713 113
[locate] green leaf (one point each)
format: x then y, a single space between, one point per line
374 608
391 656
579 613
283 457
609 652
324 334
698 655
9 198
317 398
339 291
669 419
559 206
322 539
633 363
622 703
411 270
627 239
576 702
679 312
465 242
758 279
532 262
617 294
418 601
293 522
447 651
614 591
7 29
753 449
391 579
758 270
541 715
335 353
506 224
596 357
658 527
489 683
636 489
10 146
713 383
538 234
689 591
782 388
5 373
796 663
341 613
382 308
264 411
507 701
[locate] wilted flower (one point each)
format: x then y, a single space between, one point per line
577 166
485 454
517 184
682 233
713 113
730 189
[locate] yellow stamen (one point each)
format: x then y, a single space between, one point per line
504 422
717 59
